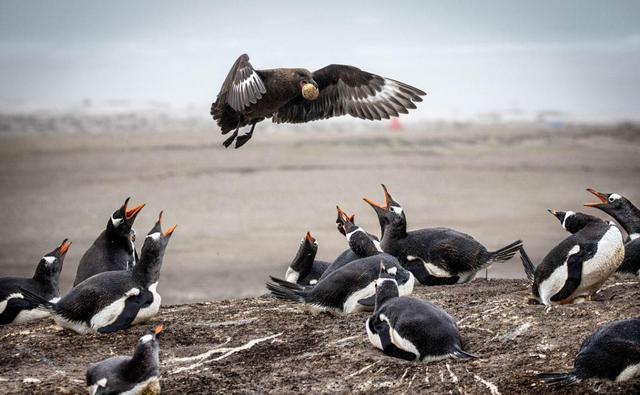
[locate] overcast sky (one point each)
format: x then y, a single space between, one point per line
580 57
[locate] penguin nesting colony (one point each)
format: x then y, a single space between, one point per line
409 328
114 249
436 256
628 216
114 300
14 308
304 269
612 352
249 96
138 374
576 268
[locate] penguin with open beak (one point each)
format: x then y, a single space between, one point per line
305 269
114 249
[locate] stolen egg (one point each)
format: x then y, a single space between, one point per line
310 92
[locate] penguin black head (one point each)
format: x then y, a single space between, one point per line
390 211
121 222
152 251
50 265
306 253
342 219
359 240
572 221
386 284
619 208
147 352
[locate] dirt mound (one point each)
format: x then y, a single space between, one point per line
265 345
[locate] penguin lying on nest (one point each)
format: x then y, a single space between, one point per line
14 308
409 328
114 248
135 375
576 268
304 269
249 96
612 352
628 216
436 256
112 301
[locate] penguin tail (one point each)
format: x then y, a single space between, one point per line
559 379
284 293
37 300
287 284
505 253
529 269
463 355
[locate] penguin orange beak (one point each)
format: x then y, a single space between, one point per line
374 204
169 231
133 212
341 213
599 195
309 238
64 247
158 329
386 200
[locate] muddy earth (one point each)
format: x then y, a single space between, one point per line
263 345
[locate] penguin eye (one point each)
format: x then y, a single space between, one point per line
611 199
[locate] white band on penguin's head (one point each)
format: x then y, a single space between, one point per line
380 281
566 216
116 221
614 196
396 209
359 229
155 236
146 338
392 271
49 259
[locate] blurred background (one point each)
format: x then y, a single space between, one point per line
528 104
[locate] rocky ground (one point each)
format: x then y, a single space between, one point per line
268 346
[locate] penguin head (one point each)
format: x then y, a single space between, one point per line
615 205
342 219
121 222
306 253
157 239
51 264
148 347
386 284
388 213
359 240
572 221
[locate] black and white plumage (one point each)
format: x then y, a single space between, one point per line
115 300
412 329
436 256
628 216
576 268
249 96
135 375
612 352
14 308
347 290
114 248
305 269
361 246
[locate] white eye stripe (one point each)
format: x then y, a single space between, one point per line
614 196
146 338
566 216
155 236
396 209
49 259
352 233
392 271
116 221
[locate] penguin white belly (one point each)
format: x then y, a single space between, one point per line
30 315
351 304
374 338
629 372
292 276
407 288
148 312
465 277
399 341
3 304
92 389
110 313
608 258
150 386
552 284
79 327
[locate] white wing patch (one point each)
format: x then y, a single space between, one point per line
390 89
252 83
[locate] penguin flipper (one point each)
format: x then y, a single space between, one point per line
132 306
13 308
390 349
558 379
574 271
368 302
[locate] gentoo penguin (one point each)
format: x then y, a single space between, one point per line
436 256
351 254
304 269
295 95
612 352
138 374
576 268
14 308
346 290
628 216
411 329
111 301
114 248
